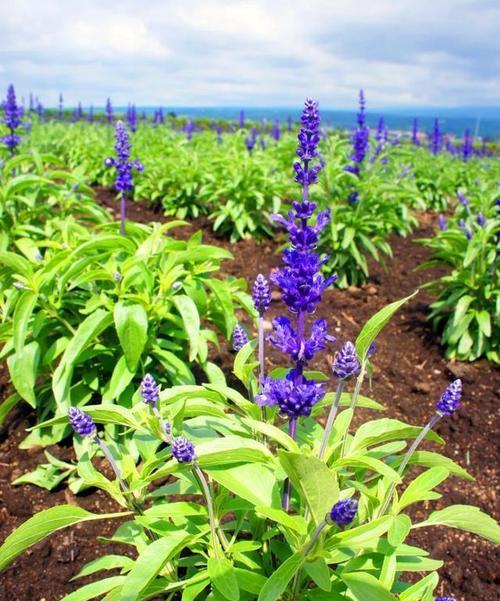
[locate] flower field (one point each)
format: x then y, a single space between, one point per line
246 360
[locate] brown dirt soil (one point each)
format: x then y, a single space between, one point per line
410 373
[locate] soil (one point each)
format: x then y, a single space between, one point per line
410 373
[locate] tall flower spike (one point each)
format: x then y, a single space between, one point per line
450 399
183 450
261 294
12 118
445 599
360 139
343 512
240 337
150 391
346 363
81 422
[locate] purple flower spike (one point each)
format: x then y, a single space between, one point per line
462 199
150 391
261 294
450 399
442 223
183 450
445 599
81 422
240 337
12 118
343 512
124 166
346 363
372 349
481 220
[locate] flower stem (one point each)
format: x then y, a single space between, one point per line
331 418
123 211
390 493
354 399
261 361
307 548
210 508
107 453
292 431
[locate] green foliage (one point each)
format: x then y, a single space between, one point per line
467 309
229 537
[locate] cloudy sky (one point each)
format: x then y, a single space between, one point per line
255 52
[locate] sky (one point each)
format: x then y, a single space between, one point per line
253 53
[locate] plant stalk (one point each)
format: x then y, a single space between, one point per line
331 418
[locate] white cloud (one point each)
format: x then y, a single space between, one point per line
253 52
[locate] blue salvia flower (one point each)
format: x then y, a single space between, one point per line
241 120
443 225
414 133
109 112
301 284
289 122
240 337
463 200
39 109
261 294
346 362
450 399
132 118
150 391
81 422
463 226
218 131
445 599
353 197
436 140
343 512
481 220
12 118
183 450
467 148
276 130
250 140
372 349
61 106
189 129
381 132
360 139
124 166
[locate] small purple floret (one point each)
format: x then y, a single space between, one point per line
344 512
261 294
183 450
150 391
81 422
450 399
240 337
346 363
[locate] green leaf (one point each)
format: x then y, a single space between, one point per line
385 429
95 589
253 482
191 321
90 327
421 488
370 463
18 264
44 523
150 562
423 587
275 585
398 530
131 322
361 535
316 483
23 368
22 314
221 572
484 321
375 324
294 522
318 570
365 587
465 517
106 562
430 459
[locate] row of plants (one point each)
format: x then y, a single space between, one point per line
278 506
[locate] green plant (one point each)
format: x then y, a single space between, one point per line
85 317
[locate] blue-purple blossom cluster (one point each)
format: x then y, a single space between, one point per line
81 422
360 139
343 512
450 399
240 337
346 362
436 139
183 450
124 166
12 118
301 284
150 391
261 294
